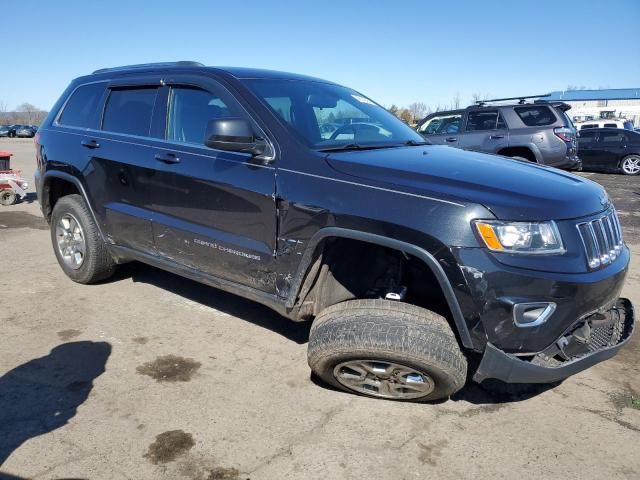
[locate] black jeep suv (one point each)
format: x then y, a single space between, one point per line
410 259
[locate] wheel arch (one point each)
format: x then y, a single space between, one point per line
421 254
527 151
51 183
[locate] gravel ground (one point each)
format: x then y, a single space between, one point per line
153 376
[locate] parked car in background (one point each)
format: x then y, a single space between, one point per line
25 131
538 131
610 149
7 131
606 123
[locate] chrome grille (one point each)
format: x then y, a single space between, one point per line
602 239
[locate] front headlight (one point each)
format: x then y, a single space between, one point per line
533 238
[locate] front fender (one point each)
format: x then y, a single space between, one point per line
429 260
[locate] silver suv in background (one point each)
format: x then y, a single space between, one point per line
537 131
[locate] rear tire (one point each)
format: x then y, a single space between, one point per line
386 349
630 165
94 263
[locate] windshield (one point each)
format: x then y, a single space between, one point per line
327 116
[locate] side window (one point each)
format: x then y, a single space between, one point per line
441 125
610 125
485 120
191 110
82 108
613 138
129 111
588 125
282 106
536 116
586 138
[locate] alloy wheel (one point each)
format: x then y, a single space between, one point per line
631 165
71 242
383 379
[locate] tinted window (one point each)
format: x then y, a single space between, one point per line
129 111
442 124
485 120
610 125
585 127
586 138
82 108
282 106
535 116
190 111
613 138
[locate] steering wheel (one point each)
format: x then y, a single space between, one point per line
343 129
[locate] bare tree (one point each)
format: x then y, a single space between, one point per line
29 112
4 118
394 109
417 111
456 101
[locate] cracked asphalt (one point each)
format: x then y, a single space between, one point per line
153 376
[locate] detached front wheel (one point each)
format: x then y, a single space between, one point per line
385 349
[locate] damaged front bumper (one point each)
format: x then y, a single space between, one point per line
591 340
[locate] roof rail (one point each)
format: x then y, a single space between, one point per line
521 100
150 65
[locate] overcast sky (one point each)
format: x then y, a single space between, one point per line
395 52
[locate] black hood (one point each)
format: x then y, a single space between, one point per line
511 189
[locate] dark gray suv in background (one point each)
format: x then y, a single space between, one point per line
536 131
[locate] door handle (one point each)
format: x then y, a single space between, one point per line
496 137
451 139
167 158
90 144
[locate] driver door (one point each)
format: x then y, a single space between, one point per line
213 211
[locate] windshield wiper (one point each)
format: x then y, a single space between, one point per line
357 146
354 146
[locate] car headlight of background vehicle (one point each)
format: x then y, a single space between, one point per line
533 238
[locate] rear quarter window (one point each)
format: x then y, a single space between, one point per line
83 107
536 116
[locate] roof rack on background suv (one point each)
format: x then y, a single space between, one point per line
521 100
184 63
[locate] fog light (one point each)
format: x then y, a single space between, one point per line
532 314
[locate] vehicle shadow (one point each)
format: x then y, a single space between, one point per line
43 394
216 299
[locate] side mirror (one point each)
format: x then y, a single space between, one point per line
233 135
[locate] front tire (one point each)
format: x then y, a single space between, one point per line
385 349
77 243
630 165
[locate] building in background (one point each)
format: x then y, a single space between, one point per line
606 103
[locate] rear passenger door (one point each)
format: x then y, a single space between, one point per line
484 131
587 148
213 211
120 164
609 148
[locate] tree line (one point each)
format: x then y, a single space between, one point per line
416 111
24 114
